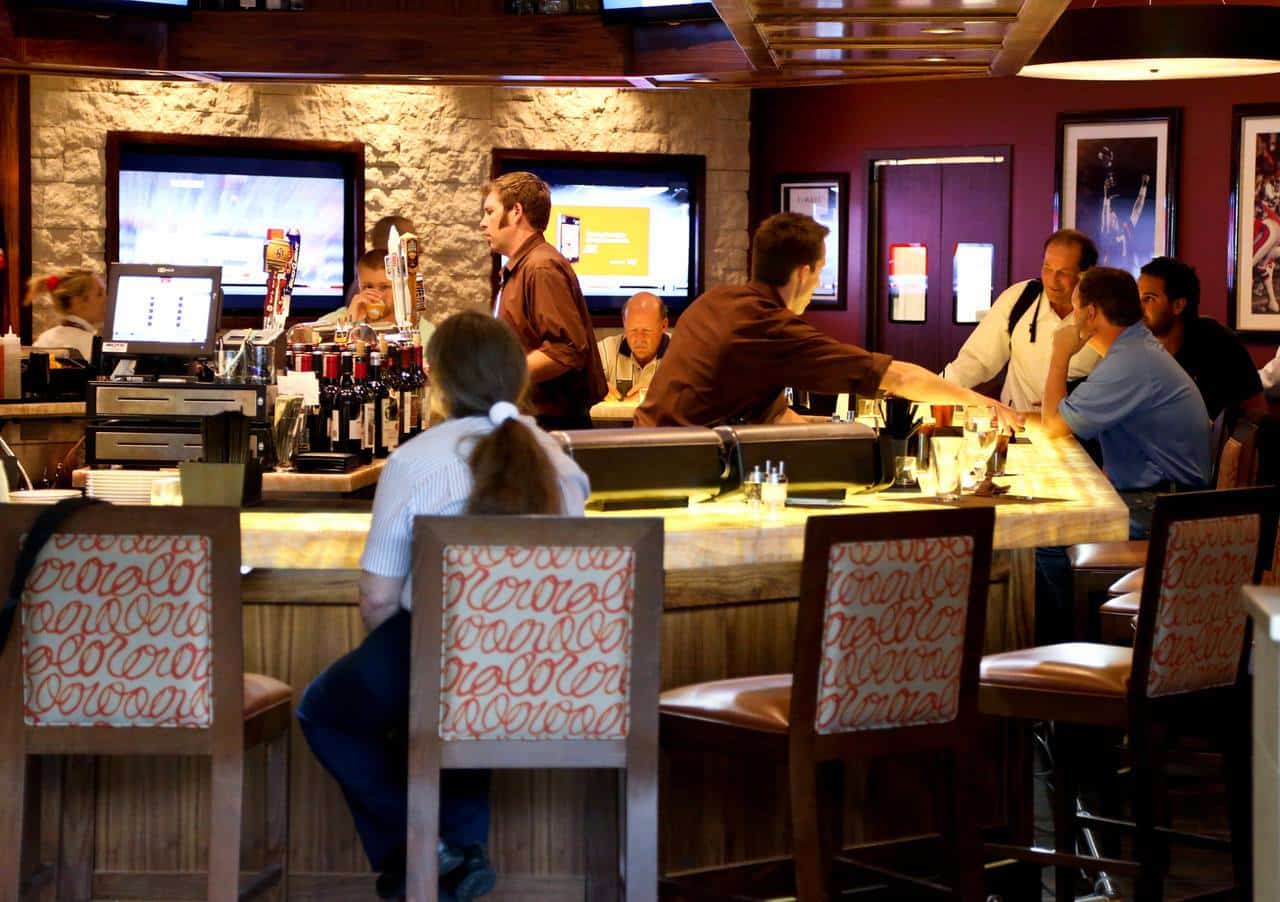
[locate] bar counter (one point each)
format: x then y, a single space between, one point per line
731 584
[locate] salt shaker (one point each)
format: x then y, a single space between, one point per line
773 493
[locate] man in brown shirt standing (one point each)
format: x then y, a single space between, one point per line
540 299
738 346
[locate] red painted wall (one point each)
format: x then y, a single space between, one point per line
842 128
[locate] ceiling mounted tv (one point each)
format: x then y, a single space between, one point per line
658 10
132 7
208 201
627 222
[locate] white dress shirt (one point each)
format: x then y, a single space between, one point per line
71 332
1270 375
990 347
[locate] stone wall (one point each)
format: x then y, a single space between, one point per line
427 151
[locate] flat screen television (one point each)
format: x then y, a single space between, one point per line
627 222
157 309
209 201
658 10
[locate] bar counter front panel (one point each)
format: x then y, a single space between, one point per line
731 583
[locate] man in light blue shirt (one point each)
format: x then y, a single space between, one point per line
1138 402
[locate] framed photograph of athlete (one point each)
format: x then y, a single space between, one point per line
825 198
1253 270
1117 175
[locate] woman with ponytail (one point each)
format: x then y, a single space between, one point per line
79 301
485 458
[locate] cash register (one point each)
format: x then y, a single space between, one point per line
161 320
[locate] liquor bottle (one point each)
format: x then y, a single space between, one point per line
391 405
375 410
422 389
348 410
409 420
323 430
367 414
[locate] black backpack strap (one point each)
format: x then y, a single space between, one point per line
42 530
1030 292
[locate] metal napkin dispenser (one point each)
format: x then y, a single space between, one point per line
823 459
645 468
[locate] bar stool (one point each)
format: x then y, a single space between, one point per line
131 644
1184 674
888 638
1237 467
535 644
1098 567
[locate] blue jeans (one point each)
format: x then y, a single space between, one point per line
355 718
1053 575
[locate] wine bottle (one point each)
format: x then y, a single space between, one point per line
325 429
348 410
375 408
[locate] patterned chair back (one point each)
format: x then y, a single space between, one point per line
893 633
536 642
1199 626
117 631
890 627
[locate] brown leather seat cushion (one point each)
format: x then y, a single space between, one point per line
262 692
1078 667
757 702
1123 605
1108 555
1130 582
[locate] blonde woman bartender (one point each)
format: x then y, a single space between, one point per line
80 301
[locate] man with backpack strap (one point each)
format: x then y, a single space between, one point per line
1018 329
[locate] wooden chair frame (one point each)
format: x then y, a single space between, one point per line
1150 722
1090 583
815 761
628 869
223 740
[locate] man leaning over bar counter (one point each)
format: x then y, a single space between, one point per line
737 346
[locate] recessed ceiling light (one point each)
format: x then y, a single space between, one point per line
936 59
702 81
943 29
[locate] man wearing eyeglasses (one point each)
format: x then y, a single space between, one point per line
631 359
1018 329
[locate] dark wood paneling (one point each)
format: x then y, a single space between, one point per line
15 199
322 43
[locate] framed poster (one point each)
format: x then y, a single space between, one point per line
1117 175
825 198
1254 255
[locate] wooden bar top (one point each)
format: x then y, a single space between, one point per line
18 410
725 534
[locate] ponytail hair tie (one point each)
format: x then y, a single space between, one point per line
52 282
502 411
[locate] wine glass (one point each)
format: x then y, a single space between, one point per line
981 430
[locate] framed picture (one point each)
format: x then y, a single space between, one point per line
825 197
1254 258
1117 175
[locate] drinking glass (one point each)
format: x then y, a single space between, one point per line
945 453
624 386
981 430
904 467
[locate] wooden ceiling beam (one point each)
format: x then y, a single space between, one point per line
884 16
1020 42
738 16
937 42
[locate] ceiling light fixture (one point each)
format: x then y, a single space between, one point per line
936 59
1146 43
943 29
